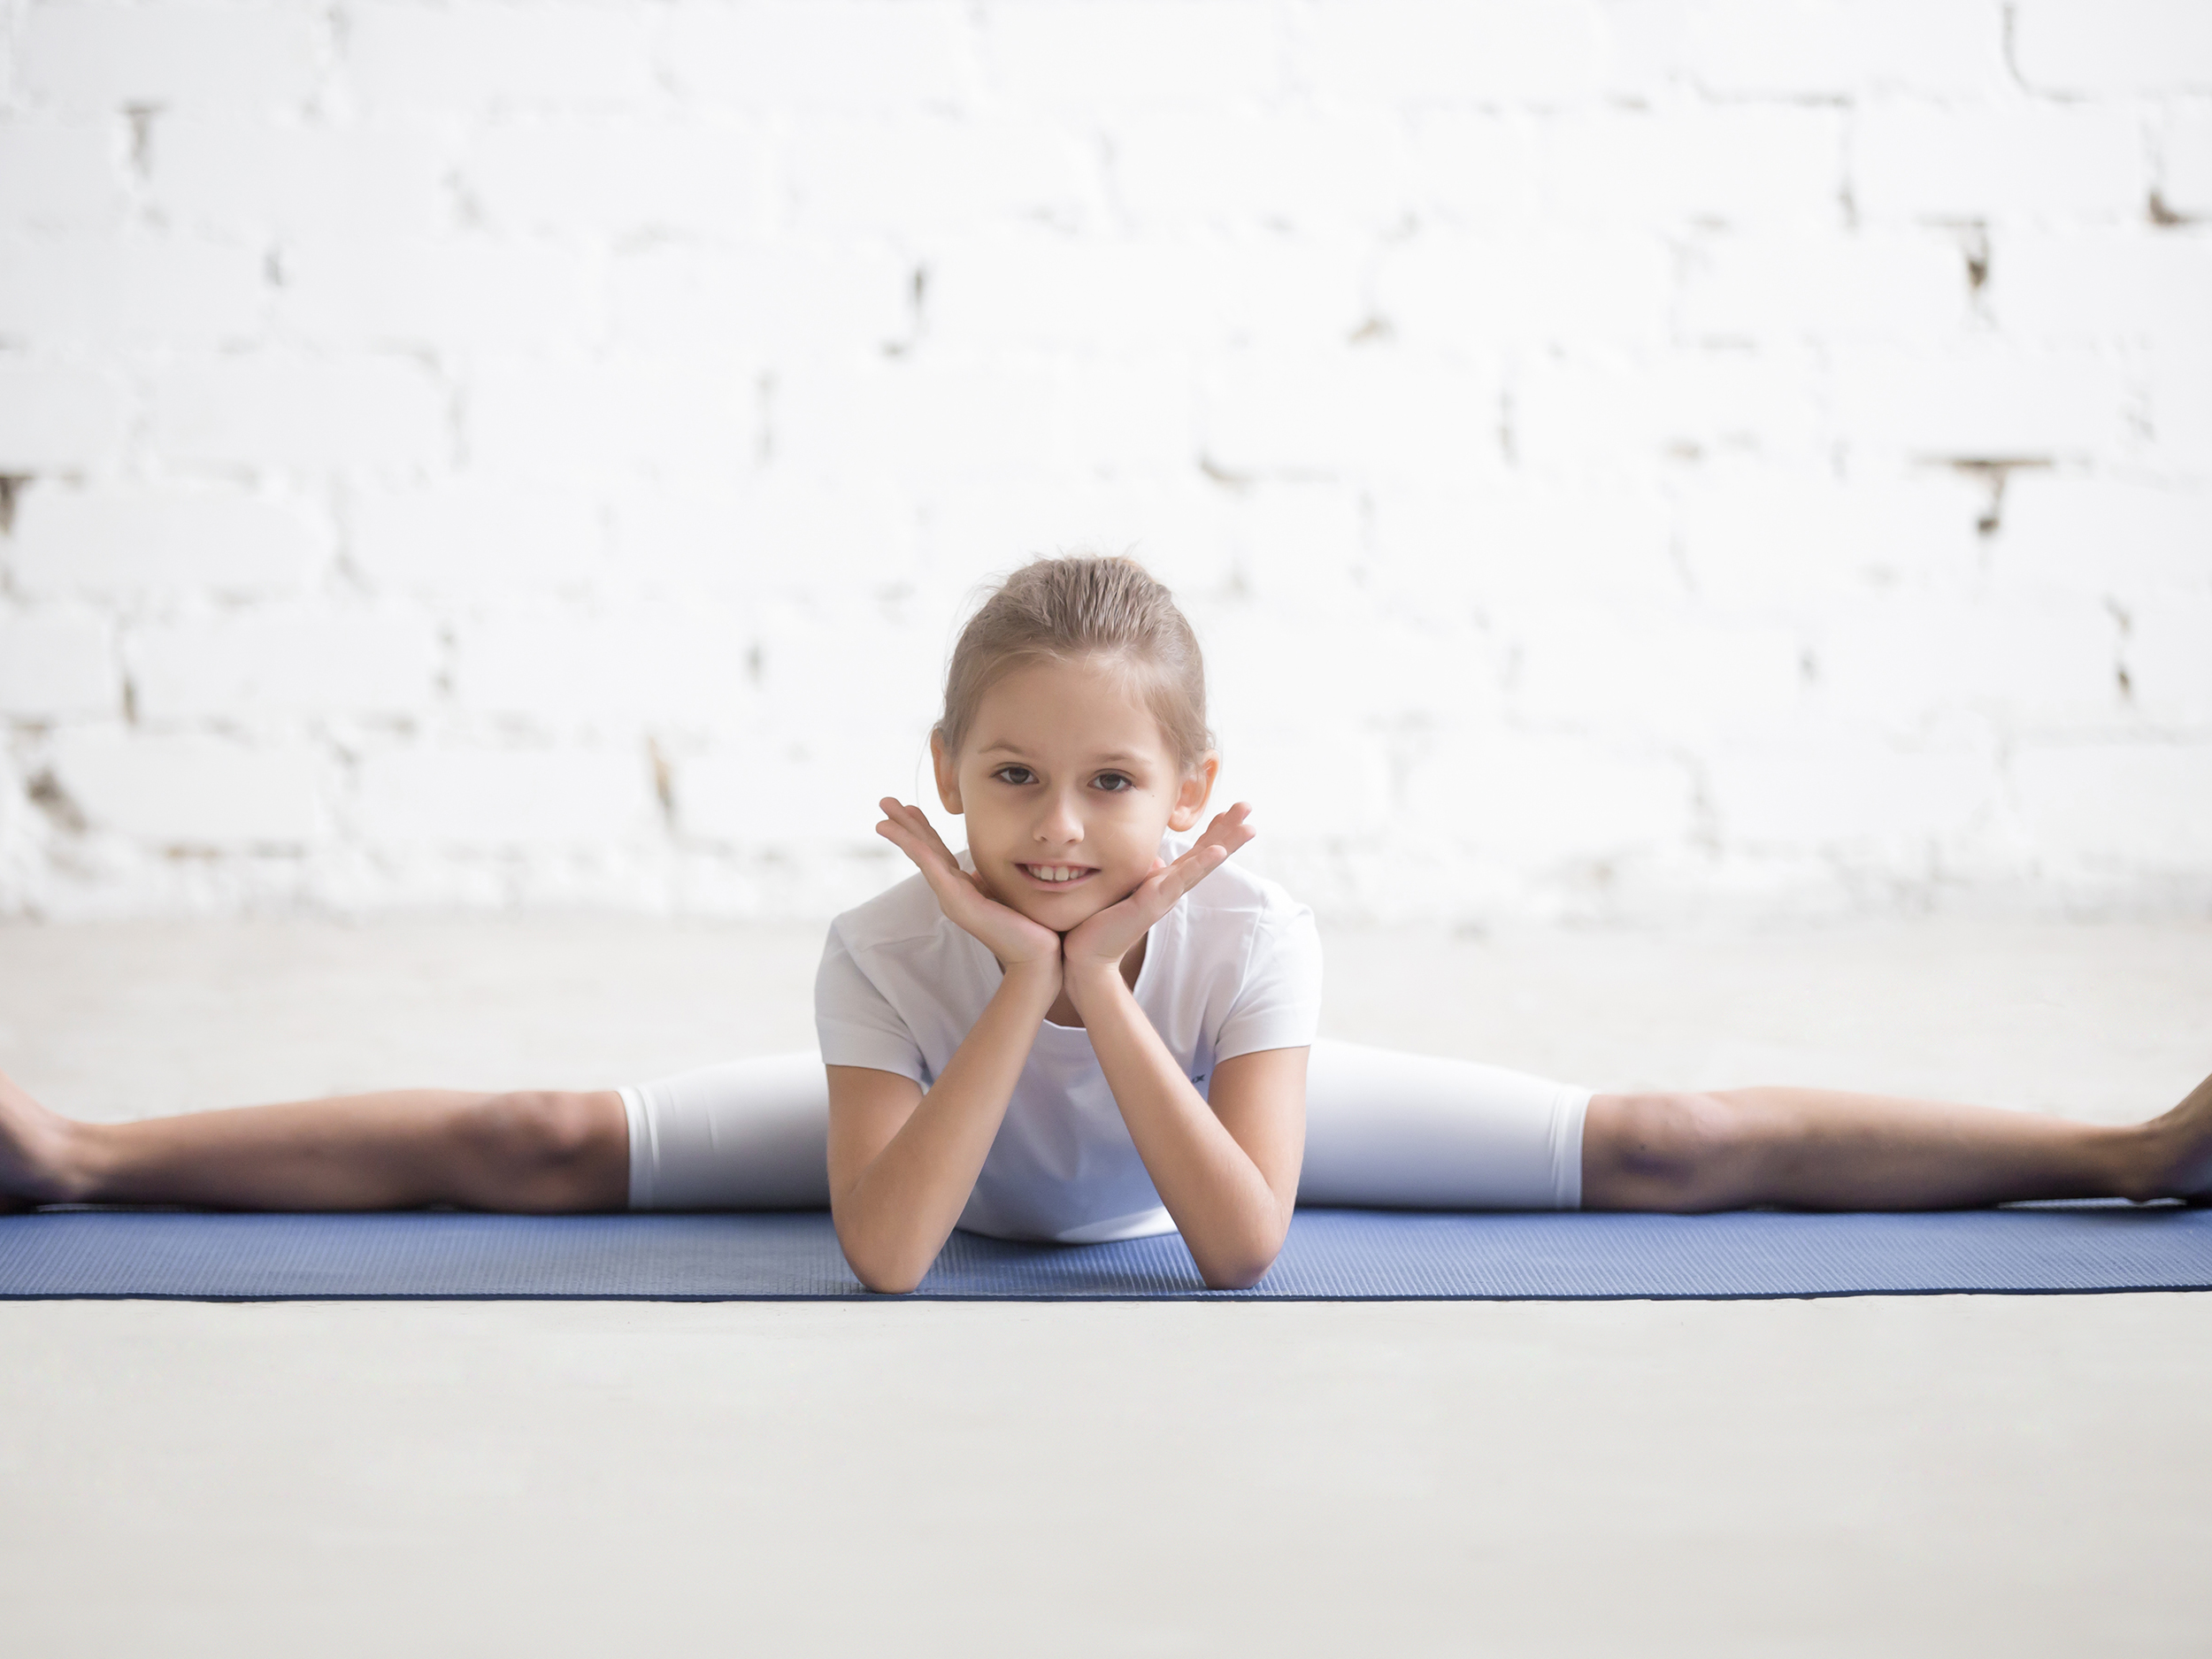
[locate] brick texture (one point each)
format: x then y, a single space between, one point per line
1621 456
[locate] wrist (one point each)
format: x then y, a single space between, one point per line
1092 979
1038 975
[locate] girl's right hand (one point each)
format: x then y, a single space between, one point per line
1011 937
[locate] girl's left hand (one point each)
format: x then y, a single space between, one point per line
1106 938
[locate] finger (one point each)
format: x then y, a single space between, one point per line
928 832
1231 829
1165 886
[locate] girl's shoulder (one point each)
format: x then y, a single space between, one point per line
1236 895
899 914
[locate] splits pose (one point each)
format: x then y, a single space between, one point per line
1090 1026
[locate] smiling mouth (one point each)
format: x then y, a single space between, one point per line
1057 877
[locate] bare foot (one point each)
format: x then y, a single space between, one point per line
2184 1135
34 1150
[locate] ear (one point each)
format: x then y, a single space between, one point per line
1196 790
948 774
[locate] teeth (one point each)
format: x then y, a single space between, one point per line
1057 872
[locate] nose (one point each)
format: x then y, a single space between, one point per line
1061 826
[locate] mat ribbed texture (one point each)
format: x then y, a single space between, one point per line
1331 1256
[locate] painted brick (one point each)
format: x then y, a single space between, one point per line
456 797
1547 800
2113 45
1476 167
672 666
1059 291
900 175
727 538
765 304
2085 287
1571 422
1477 293
1143 52
1843 788
1730 164
1508 544
477 540
1244 167
2143 804
274 665
2185 180
1591 671
2168 653
1329 783
476 56
2027 668
1352 413
55 664
104 56
1839 48
2102 539
368 412
1801 543
802 53
57 175
1866 287
1624 414
1982 402
609 177
946 417
135 542
457 294
191 790
1433 51
673 416
178 290
2015 161
57 416
2181 411
739 797
231 174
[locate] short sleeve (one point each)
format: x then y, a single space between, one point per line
1278 1002
855 1022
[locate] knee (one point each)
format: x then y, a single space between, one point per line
1672 1150
531 1132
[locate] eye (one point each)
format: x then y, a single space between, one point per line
1027 775
1114 782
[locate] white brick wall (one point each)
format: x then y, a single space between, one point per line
1622 456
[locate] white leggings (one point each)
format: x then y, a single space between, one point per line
1384 1131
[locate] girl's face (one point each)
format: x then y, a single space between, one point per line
1067 782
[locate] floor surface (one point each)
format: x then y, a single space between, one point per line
1928 1475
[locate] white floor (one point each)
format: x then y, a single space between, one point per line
1939 1475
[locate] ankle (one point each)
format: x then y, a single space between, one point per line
68 1163
2144 1164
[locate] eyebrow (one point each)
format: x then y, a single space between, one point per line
1118 758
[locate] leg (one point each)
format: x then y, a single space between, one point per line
396 1151
1824 1150
1387 1130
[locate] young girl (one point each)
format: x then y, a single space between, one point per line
1089 1025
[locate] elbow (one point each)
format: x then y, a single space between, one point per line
885 1273
888 1271
1236 1275
1238 1270
886 1284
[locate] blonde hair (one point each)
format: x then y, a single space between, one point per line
1066 608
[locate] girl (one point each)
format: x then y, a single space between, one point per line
1088 1027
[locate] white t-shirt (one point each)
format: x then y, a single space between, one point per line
1234 968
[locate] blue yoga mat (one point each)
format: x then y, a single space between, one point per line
1331 1255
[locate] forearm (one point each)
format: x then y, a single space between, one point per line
1229 1217
894 1218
